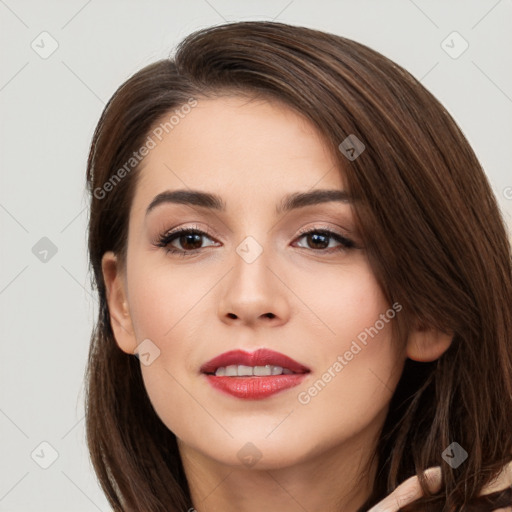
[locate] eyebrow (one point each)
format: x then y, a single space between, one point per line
215 202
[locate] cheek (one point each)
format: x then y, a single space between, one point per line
350 393
164 298
343 303
360 362
167 307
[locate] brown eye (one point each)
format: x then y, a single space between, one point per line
320 239
189 239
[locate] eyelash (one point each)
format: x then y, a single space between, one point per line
166 239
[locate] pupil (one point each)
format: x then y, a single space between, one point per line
188 237
315 238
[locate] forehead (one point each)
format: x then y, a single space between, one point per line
239 147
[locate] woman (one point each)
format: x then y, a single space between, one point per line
342 341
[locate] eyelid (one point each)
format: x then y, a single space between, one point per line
208 232
317 227
346 233
203 231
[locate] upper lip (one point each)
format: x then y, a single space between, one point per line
260 357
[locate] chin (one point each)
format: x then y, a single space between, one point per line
258 453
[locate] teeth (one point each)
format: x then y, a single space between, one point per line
267 370
244 371
231 371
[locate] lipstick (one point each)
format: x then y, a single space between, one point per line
253 375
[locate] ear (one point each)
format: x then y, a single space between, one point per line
120 319
426 344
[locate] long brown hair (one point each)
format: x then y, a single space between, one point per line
433 233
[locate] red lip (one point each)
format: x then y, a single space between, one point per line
254 387
260 357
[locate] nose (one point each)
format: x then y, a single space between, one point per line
254 292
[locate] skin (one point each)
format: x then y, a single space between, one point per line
410 490
312 456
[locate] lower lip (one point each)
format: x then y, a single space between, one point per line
255 388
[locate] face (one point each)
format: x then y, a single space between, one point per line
295 282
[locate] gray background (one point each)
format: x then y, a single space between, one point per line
49 108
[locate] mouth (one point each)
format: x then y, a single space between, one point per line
253 375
